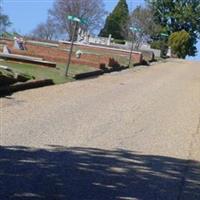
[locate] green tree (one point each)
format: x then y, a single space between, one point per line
4 21
180 42
178 15
116 22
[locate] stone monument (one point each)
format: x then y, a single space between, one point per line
169 52
19 43
6 50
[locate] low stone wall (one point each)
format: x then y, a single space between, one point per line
98 72
88 74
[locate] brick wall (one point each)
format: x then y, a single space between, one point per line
136 56
60 53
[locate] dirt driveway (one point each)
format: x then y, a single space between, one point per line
132 135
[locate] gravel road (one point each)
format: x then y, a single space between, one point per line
131 135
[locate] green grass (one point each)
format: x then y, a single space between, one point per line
41 72
6 73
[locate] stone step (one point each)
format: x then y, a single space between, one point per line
27 59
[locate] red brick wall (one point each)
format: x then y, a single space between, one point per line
136 56
60 54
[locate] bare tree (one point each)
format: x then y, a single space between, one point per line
142 19
46 31
92 10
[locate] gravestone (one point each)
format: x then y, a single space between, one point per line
6 50
19 43
109 40
16 45
78 54
169 52
80 35
87 37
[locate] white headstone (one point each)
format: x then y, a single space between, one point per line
16 44
169 52
109 40
79 35
79 53
6 50
19 43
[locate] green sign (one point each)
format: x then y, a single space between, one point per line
164 34
84 21
73 18
134 29
76 19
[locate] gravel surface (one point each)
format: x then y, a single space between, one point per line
127 135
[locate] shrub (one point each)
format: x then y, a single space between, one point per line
180 43
161 45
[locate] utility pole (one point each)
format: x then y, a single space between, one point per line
77 21
133 31
130 55
71 49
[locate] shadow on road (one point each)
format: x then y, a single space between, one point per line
93 174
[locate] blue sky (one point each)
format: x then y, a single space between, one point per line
26 14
